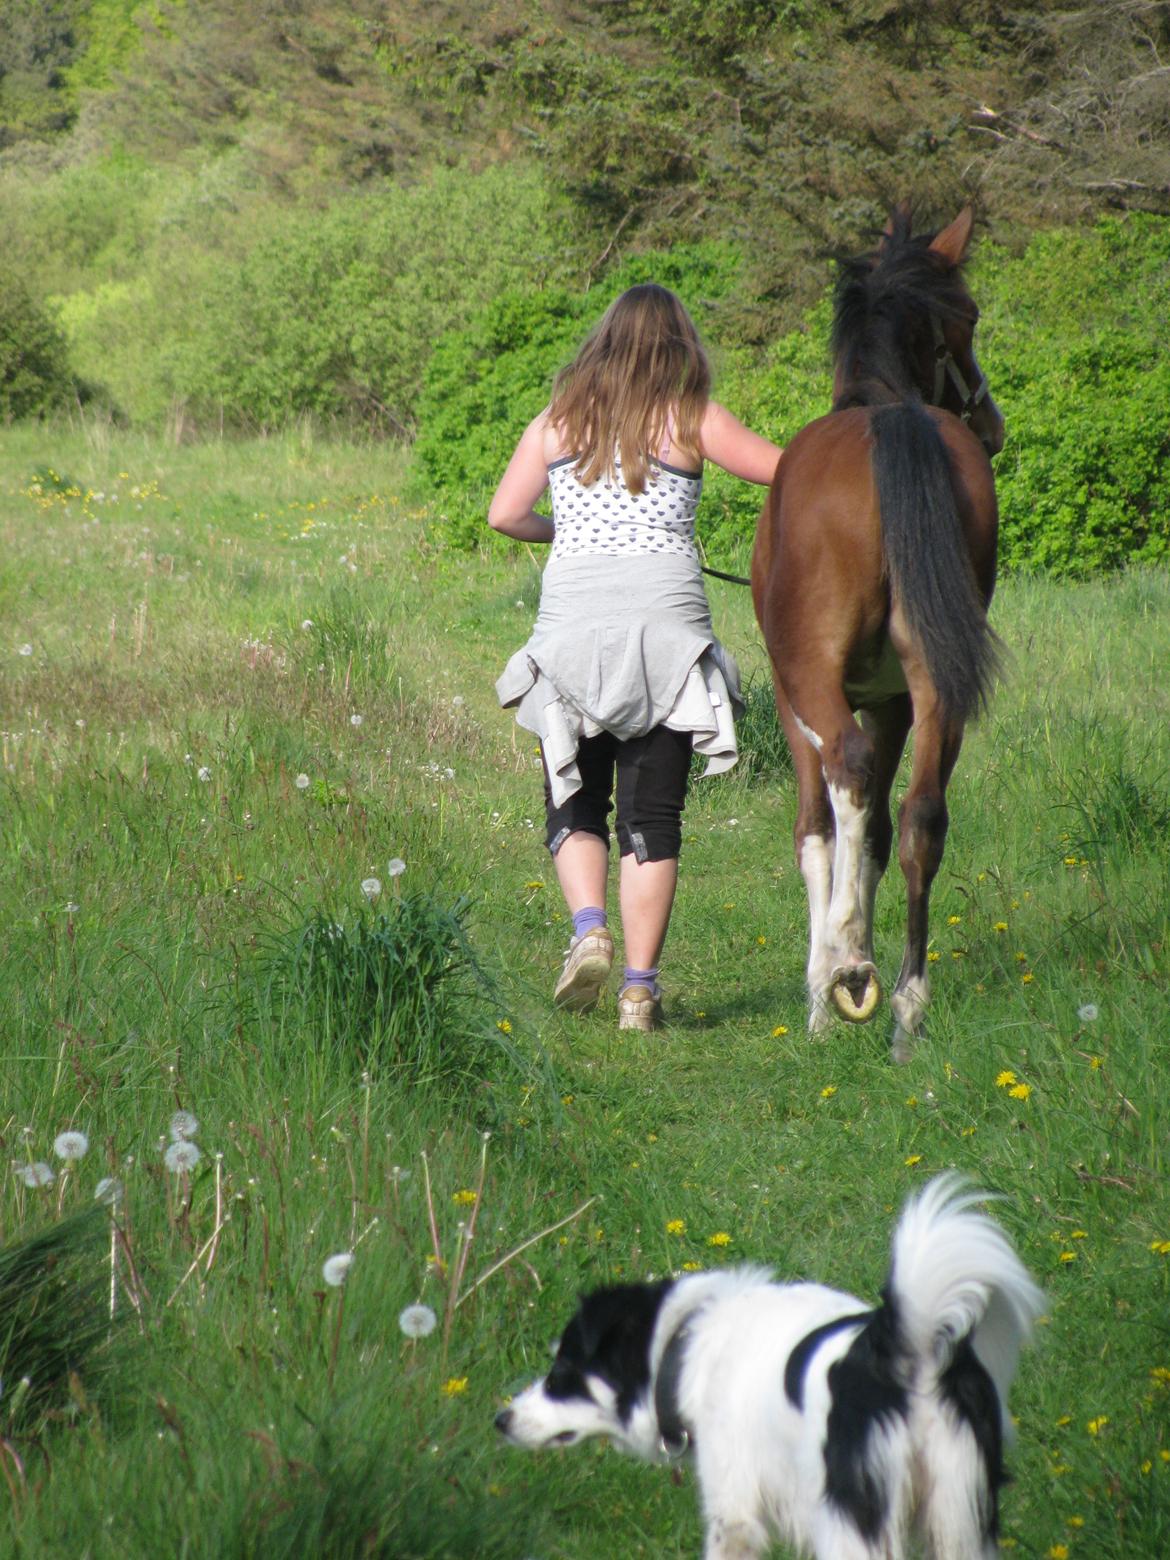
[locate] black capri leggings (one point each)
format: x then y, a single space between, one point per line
651 789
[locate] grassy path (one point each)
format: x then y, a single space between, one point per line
237 681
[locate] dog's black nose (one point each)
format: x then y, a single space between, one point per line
503 1420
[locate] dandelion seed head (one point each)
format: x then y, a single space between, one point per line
109 1191
25 650
336 1268
395 867
204 773
355 719
302 782
36 1175
306 625
1088 1013
181 1156
371 888
71 1145
417 1321
183 1125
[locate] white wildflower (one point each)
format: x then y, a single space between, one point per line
355 720
204 773
396 866
302 782
336 1269
417 1321
1088 1013
181 1156
71 1145
372 889
38 1174
183 1125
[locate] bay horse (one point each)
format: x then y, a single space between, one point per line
872 572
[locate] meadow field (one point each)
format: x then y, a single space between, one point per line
239 681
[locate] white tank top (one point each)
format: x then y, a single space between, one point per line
607 519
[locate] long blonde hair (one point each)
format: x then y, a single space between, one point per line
640 373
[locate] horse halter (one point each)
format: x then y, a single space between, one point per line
946 368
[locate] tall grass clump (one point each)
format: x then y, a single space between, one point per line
55 1326
399 988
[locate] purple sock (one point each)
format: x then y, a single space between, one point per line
587 920
641 978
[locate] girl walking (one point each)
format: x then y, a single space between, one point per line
623 675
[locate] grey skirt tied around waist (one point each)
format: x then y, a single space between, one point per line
622 645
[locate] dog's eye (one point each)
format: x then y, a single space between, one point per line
565 1438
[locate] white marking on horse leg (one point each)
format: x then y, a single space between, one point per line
909 1002
847 930
816 866
809 733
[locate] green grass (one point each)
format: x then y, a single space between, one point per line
161 865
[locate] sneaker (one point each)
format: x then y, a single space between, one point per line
639 1008
587 966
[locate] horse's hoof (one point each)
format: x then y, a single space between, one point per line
856 992
902 1045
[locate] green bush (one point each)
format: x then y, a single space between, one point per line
335 313
34 361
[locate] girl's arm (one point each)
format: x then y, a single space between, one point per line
521 485
726 441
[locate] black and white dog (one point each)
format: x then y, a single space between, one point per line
850 1433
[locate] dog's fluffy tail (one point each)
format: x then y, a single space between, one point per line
955 1276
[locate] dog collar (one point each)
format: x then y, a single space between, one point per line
674 1439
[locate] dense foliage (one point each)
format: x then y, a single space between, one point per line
400 217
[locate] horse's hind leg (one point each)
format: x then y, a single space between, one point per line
841 970
813 838
922 832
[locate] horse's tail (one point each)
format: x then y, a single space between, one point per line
926 558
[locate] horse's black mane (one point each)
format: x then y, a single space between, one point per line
882 310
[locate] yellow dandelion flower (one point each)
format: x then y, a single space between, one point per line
651 1137
1147 1466
1065 1419
691 1267
780 1029
828 1091
1000 926
1026 980
1070 861
1161 1373
914 1159
676 1227
454 1385
1095 1426
1068 1256
1096 1063
1021 956
1057 1552
504 1025
1160 1248
1164 1454
720 1238
968 1132
763 941
1005 1079
1078 1235
912 1100
1075 1522
464 1197
1020 1091
954 920
933 956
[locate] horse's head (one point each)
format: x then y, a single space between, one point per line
956 381
905 324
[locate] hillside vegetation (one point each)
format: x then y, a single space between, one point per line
400 216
